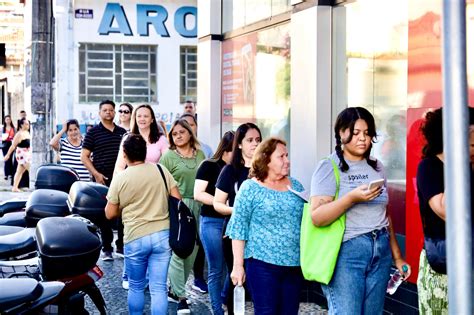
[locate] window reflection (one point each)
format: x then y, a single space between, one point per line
256 81
239 13
376 76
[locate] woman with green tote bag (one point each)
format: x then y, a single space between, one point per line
362 270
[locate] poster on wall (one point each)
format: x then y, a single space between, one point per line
238 79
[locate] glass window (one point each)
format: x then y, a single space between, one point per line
238 13
256 81
188 73
117 72
375 45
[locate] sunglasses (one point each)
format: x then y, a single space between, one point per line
124 111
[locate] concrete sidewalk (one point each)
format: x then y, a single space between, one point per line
111 284
6 188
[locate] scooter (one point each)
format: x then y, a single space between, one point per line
17 236
53 182
66 257
23 296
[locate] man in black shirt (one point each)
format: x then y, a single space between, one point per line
103 141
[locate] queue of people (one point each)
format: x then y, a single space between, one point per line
247 209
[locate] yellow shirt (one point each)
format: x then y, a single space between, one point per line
141 195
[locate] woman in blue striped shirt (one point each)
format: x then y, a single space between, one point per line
70 147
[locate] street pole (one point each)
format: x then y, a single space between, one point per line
41 43
457 169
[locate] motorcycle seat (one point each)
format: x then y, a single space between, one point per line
22 242
14 292
5 229
12 205
17 295
14 219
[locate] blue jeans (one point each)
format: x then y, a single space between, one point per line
150 253
211 238
362 272
274 289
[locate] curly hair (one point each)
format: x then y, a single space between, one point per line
432 130
262 157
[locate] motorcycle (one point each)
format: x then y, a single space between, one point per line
66 257
28 295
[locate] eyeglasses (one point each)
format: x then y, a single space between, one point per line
124 111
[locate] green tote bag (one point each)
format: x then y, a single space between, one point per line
319 246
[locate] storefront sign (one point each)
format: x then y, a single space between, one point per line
147 14
84 13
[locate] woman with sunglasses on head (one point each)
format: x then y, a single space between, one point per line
8 133
211 221
183 160
125 113
144 123
246 139
21 143
70 148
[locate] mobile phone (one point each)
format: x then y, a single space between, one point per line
376 183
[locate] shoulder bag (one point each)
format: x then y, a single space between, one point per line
182 225
319 245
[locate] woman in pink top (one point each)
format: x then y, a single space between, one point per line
144 123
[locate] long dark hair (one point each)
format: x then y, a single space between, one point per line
225 145
347 119
432 130
5 123
237 158
21 122
155 131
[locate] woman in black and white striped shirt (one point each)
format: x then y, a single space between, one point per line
70 147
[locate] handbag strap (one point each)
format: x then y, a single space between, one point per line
163 176
337 176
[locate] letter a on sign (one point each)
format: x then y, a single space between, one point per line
114 11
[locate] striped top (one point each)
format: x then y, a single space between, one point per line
71 157
104 145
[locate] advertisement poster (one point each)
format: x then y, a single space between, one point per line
238 80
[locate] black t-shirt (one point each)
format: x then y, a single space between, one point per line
104 145
209 171
228 179
430 182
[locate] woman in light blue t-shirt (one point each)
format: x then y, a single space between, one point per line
265 231
362 270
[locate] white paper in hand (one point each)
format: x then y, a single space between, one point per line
302 194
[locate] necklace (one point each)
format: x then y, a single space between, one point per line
184 160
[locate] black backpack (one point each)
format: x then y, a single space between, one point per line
182 225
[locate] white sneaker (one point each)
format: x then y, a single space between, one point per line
125 284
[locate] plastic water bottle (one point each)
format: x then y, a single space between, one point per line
239 300
395 280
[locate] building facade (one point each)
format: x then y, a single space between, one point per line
291 66
126 51
12 44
